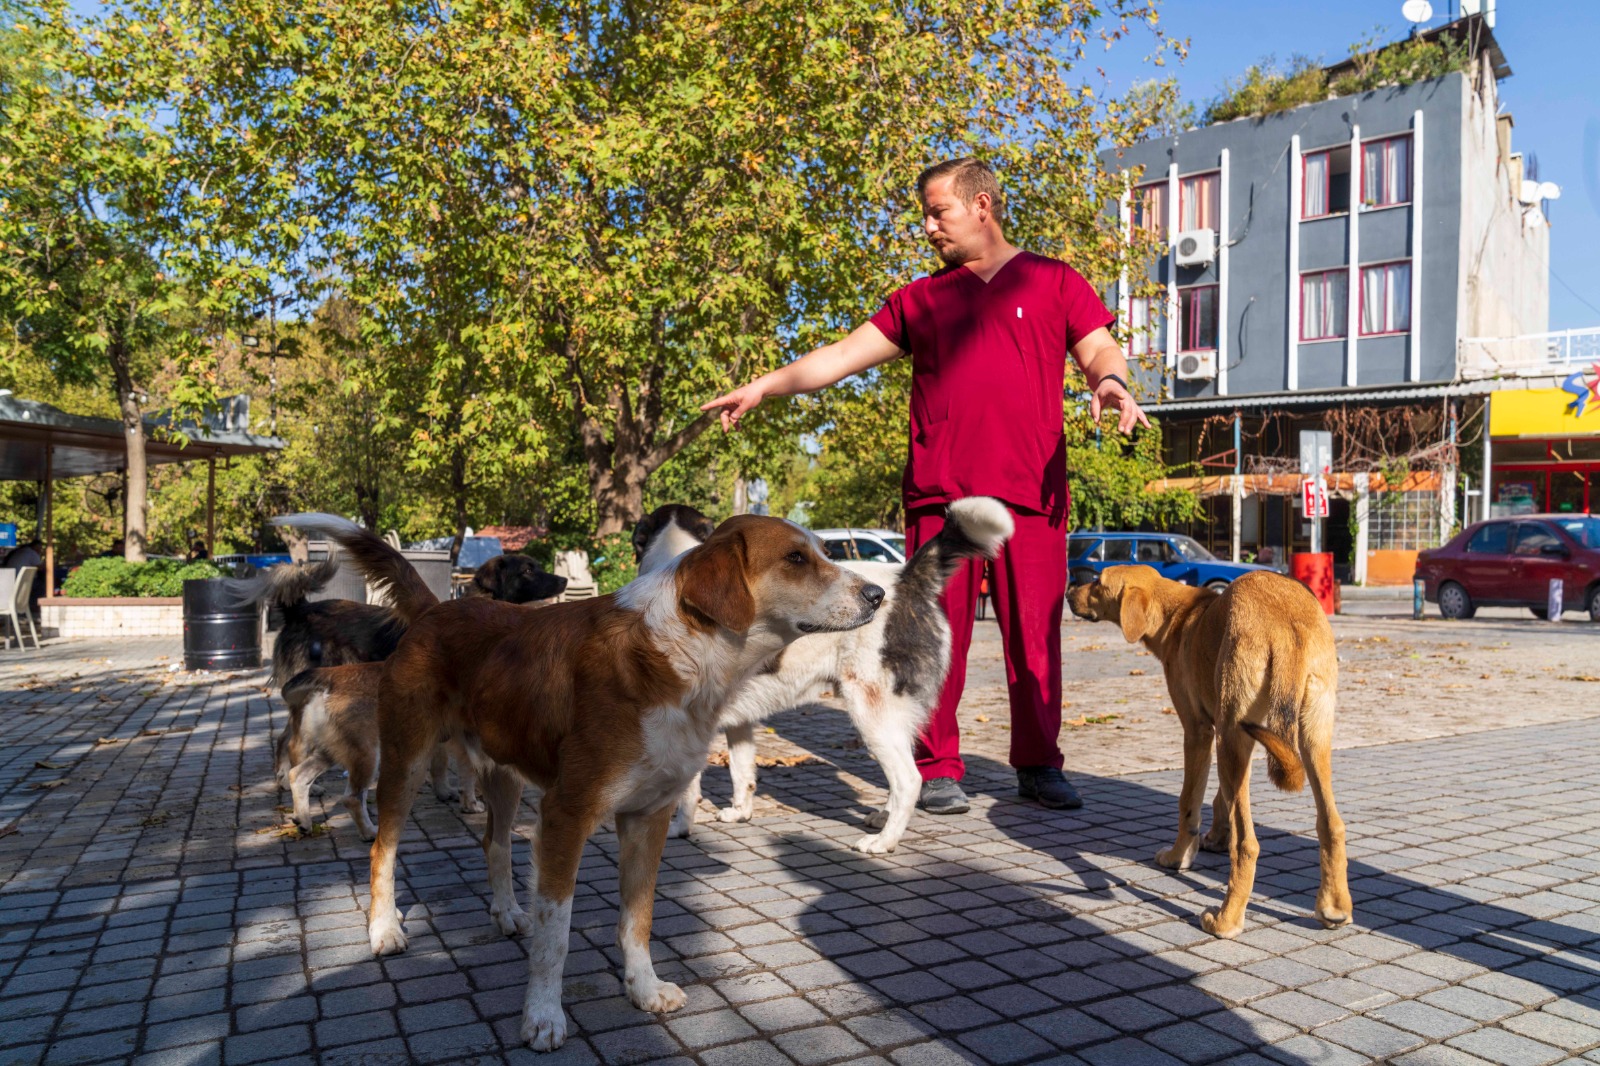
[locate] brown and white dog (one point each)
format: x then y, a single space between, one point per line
608 705
887 673
1255 662
333 721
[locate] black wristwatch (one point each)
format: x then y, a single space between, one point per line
1118 379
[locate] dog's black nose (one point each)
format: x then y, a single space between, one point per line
873 595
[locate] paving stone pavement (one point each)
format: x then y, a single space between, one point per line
151 911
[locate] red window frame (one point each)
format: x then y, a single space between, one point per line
1384 142
1389 329
1327 183
1137 202
1188 324
1154 305
1342 320
1213 202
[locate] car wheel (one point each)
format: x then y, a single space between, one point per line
1219 585
1594 604
1454 603
1082 577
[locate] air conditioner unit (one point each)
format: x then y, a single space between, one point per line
1195 247
1197 366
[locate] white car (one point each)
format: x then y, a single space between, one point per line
864 545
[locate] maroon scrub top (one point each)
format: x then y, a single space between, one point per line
988 370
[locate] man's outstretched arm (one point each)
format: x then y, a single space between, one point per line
1101 359
865 348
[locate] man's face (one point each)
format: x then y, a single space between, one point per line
953 227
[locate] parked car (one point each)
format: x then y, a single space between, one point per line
866 545
1176 556
1509 562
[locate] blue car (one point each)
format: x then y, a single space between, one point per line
1176 556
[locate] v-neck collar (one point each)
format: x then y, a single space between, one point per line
973 274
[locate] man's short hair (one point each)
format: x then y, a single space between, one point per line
971 176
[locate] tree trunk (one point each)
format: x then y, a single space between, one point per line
135 501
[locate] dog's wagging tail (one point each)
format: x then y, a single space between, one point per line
377 560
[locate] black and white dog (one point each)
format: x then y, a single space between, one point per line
888 673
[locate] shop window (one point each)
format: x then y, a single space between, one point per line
1325 188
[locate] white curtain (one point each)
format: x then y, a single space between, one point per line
1316 191
1395 169
1194 203
1385 167
1371 174
1399 284
1148 325
1372 300
1322 306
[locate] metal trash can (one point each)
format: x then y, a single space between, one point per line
217 635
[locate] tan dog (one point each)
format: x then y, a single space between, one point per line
1254 662
333 721
607 704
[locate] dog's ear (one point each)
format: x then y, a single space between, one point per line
1138 614
703 527
712 581
641 535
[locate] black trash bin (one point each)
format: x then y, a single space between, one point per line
217 634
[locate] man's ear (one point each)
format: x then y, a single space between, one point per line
1137 614
712 581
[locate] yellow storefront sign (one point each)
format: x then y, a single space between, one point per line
1571 411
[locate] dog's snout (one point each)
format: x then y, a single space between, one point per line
873 594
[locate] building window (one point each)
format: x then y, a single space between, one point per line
1197 319
1148 207
1197 201
1326 183
1322 305
1386 172
1386 298
1147 319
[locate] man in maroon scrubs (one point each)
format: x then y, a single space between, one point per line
989 337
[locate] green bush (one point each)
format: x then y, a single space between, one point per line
113 577
611 561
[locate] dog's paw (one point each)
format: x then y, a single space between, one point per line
1214 842
512 920
544 1028
1211 922
446 795
878 818
657 997
472 806
877 844
386 935
1332 918
1175 858
368 833
733 814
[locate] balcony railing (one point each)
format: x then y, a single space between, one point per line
1533 354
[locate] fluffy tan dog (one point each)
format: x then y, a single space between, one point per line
1254 662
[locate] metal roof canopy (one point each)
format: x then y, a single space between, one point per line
1325 397
80 445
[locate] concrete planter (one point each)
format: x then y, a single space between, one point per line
154 616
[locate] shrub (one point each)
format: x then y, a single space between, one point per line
611 562
113 577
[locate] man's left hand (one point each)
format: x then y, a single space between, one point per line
1110 394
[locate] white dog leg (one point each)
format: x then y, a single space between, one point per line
301 777
684 817
742 767
885 731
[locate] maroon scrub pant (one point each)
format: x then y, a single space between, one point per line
1028 584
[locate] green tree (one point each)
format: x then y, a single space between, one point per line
564 225
1112 480
93 231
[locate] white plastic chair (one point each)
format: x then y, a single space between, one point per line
574 566
15 588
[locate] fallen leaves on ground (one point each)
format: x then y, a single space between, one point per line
1575 677
1135 673
981 718
1091 719
51 765
1168 710
291 831
155 820
111 740
720 758
7 830
57 783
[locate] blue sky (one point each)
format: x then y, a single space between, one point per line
1553 95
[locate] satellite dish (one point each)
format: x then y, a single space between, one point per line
1530 192
1549 190
1417 10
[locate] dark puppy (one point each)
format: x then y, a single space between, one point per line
516 579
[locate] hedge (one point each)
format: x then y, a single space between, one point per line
114 577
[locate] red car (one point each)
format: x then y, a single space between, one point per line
1509 562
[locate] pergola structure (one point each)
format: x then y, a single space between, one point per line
42 443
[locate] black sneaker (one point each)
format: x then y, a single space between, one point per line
1049 786
942 795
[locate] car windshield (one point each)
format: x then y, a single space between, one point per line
1585 531
1191 550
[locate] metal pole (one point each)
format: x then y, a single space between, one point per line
49 518
211 507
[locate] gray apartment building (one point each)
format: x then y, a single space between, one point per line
1323 267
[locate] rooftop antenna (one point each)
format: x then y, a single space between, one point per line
1416 12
